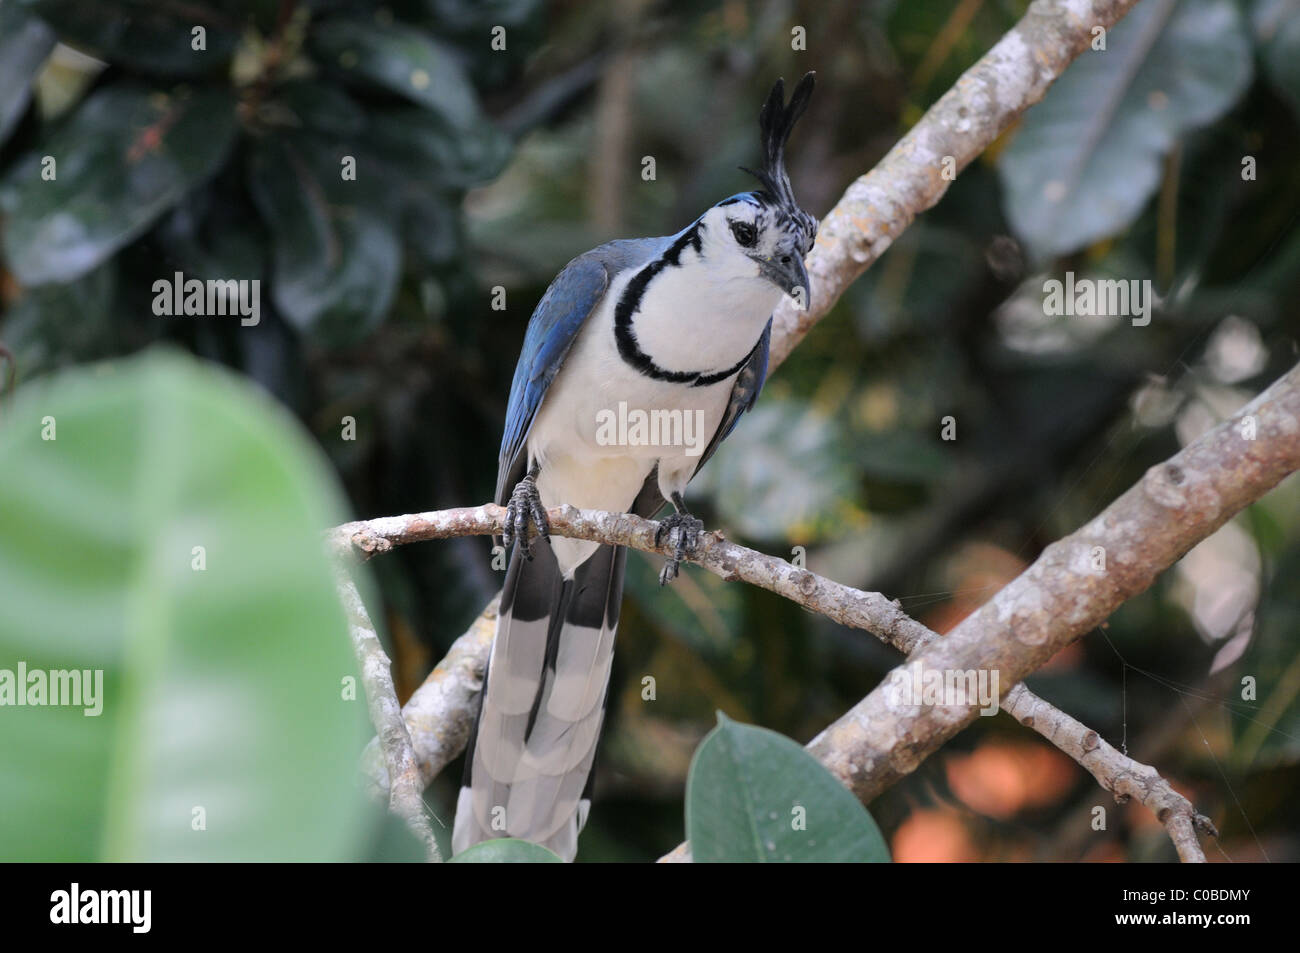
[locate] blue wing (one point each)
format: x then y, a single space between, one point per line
572 296
559 316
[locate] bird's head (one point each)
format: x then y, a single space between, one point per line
765 231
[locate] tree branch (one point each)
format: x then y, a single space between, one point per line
1064 594
914 175
405 798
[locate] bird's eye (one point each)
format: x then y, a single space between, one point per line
745 233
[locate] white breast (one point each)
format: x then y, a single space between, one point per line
586 432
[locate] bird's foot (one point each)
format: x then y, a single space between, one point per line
525 506
682 531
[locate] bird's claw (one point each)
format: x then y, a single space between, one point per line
525 506
683 533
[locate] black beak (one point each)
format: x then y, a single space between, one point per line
785 270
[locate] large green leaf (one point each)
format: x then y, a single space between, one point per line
122 160
506 850
223 686
154 36
25 42
1088 157
336 260
754 796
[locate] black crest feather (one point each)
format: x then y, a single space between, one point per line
775 122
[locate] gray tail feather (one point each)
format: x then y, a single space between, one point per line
530 757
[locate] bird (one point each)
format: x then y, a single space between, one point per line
681 325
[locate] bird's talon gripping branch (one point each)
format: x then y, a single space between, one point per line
525 505
682 531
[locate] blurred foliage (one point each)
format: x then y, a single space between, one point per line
159 524
1083 165
479 168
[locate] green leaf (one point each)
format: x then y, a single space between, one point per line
336 261
1088 157
224 732
506 850
147 35
123 159
754 796
25 42
402 59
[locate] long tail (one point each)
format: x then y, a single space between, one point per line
528 765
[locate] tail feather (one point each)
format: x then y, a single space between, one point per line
530 760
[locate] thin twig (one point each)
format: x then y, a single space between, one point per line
386 714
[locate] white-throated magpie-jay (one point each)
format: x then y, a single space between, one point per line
675 324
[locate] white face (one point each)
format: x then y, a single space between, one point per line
744 237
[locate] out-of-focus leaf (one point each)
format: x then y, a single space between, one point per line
147 35
459 14
1277 24
431 226
1088 157
920 285
224 731
321 106
506 850
402 59
902 457
55 325
123 159
467 23
335 260
422 147
754 796
786 471
208 235
1266 728
699 608
25 42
